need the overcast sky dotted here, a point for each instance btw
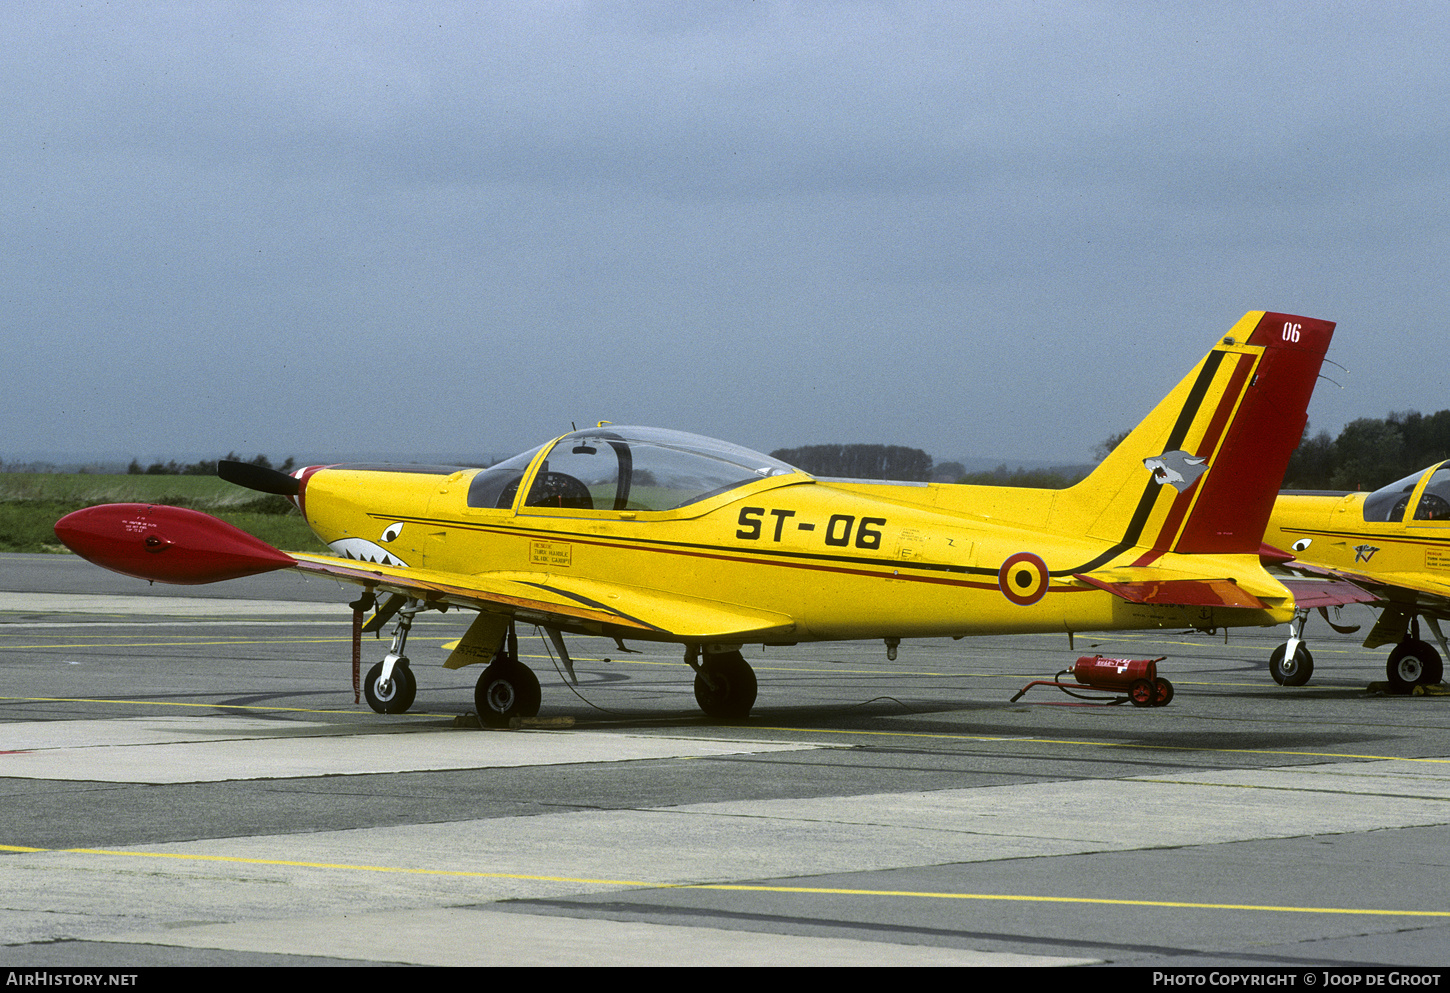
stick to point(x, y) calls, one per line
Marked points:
point(981, 229)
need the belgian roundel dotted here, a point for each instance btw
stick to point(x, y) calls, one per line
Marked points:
point(1023, 579)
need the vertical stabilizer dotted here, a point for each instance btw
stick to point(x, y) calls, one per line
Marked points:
point(1200, 473)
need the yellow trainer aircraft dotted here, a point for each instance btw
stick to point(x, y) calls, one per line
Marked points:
point(1390, 548)
point(655, 535)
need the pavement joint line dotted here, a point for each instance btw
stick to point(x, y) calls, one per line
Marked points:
point(195, 644)
point(1285, 789)
point(879, 734)
point(1112, 744)
point(753, 887)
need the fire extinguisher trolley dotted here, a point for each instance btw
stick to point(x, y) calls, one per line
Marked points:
point(1138, 679)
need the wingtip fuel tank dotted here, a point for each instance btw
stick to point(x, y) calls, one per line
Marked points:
point(166, 544)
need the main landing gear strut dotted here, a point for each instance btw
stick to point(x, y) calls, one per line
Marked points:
point(724, 683)
point(1414, 662)
point(508, 690)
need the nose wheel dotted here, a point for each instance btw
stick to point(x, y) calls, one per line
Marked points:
point(389, 686)
point(393, 695)
point(1291, 670)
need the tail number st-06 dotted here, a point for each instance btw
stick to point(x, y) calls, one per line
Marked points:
point(842, 530)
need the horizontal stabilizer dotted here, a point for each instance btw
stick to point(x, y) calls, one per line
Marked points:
point(1180, 592)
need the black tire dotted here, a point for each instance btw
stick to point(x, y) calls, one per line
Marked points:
point(1293, 672)
point(398, 696)
point(506, 690)
point(733, 691)
point(1162, 692)
point(1413, 662)
point(1141, 693)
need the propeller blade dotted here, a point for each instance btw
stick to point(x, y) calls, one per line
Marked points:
point(254, 477)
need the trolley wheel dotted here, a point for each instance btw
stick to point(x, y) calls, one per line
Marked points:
point(1141, 693)
point(1162, 692)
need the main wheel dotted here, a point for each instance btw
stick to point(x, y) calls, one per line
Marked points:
point(725, 686)
point(1413, 662)
point(1291, 672)
point(506, 690)
point(394, 697)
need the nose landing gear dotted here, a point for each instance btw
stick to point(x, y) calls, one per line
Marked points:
point(390, 686)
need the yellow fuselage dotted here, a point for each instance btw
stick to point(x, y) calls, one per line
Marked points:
point(1408, 557)
point(831, 560)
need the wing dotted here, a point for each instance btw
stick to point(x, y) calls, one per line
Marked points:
point(178, 545)
point(583, 606)
point(1324, 587)
point(1326, 591)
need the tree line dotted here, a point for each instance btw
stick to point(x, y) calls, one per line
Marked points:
point(859, 461)
point(896, 462)
point(204, 467)
point(1369, 452)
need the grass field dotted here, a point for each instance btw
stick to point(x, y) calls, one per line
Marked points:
point(31, 503)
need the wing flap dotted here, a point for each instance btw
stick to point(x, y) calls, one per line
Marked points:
point(566, 602)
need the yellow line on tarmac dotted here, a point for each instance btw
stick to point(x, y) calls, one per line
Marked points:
point(177, 643)
point(208, 706)
point(760, 888)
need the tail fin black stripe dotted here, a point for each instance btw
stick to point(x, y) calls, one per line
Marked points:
point(1186, 416)
point(1189, 413)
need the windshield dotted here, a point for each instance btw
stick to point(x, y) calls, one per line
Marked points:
point(636, 468)
point(497, 485)
point(1434, 503)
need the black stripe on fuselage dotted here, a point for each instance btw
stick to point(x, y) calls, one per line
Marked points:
point(689, 546)
point(587, 602)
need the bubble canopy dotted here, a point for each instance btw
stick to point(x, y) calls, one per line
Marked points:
point(624, 468)
point(1390, 503)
